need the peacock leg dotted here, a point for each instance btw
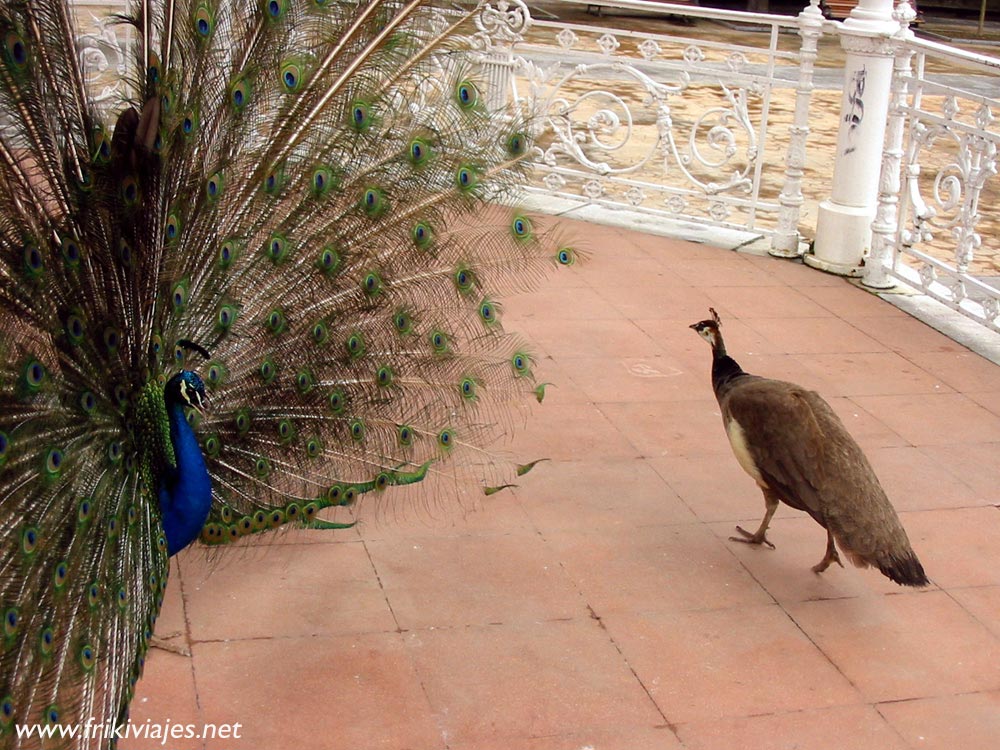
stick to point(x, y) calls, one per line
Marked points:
point(760, 536)
point(830, 556)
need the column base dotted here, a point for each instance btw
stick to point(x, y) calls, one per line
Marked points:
point(843, 238)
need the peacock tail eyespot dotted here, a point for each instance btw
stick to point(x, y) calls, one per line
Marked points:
point(161, 543)
point(29, 540)
point(6, 711)
point(521, 363)
point(402, 322)
point(93, 595)
point(274, 181)
point(371, 285)
point(309, 512)
point(465, 279)
point(360, 116)
point(374, 202)
point(88, 657)
point(304, 381)
point(335, 494)
point(521, 227)
point(33, 376)
point(446, 438)
point(275, 519)
point(466, 178)
point(51, 714)
point(275, 10)
point(357, 430)
point(34, 266)
point(420, 152)
point(382, 481)
point(215, 375)
point(59, 575)
point(74, 329)
point(337, 402)
point(11, 622)
point(53, 462)
point(112, 339)
point(189, 124)
point(259, 520)
point(267, 371)
point(275, 321)
point(292, 512)
point(179, 295)
point(46, 639)
point(15, 50)
point(213, 445)
point(422, 235)
point(355, 345)
point(225, 317)
point(115, 452)
point(329, 260)
point(132, 515)
point(262, 467)
point(467, 387)
point(285, 431)
point(130, 191)
point(71, 253)
point(313, 447)
point(242, 423)
point(291, 77)
point(239, 93)
point(566, 256)
point(517, 144)
point(487, 312)
point(350, 495)
point(226, 514)
point(322, 181)
point(404, 433)
point(125, 254)
point(120, 394)
point(113, 527)
point(320, 333)
point(384, 376)
point(467, 95)
point(439, 342)
point(213, 189)
point(277, 248)
point(204, 20)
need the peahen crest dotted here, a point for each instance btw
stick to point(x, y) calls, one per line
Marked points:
point(266, 284)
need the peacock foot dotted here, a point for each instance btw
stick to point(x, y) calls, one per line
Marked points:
point(747, 538)
point(163, 644)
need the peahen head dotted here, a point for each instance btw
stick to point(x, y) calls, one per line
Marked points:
point(186, 388)
point(709, 330)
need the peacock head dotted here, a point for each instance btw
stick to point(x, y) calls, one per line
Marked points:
point(187, 389)
point(709, 329)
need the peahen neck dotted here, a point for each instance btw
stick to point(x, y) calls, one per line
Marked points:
point(184, 492)
point(725, 370)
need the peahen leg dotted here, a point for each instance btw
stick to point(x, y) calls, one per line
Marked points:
point(830, 556)
point(760, 536)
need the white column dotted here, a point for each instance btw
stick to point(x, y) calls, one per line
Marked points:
point(843, 227)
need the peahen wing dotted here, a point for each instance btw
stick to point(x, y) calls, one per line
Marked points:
point(331, 250)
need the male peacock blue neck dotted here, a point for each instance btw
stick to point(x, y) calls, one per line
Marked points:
point(183, 486)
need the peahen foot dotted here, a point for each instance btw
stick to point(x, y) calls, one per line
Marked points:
point(747, 538)
point(831, 555)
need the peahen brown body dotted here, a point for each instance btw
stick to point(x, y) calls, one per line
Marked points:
point(799, 452)
point(264, 283)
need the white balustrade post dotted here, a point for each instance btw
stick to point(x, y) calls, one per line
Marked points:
point(785, 241)
point(843, 227)
point(886, 225)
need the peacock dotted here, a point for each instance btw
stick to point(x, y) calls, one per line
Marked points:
point(262, 281)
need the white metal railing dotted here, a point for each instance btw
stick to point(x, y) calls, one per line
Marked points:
point(938, 222)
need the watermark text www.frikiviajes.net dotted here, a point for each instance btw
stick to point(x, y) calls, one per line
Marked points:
point(162, 731)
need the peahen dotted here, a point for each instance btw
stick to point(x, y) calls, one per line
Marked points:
point(263, 283)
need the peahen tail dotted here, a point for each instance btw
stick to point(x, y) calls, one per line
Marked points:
point(304, 201)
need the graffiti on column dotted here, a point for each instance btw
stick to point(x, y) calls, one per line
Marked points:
point(855, 105)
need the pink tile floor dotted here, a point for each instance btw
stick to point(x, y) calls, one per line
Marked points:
point(600, 604)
